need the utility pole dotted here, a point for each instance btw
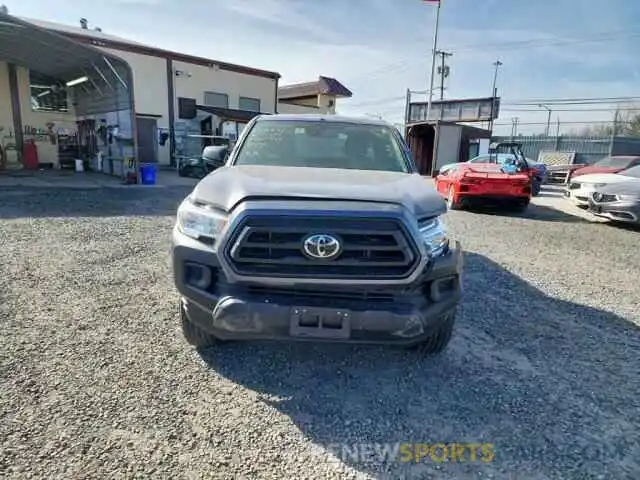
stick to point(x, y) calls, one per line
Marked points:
point(494, 92)
point(614, 130)
point(433, 59)
point(548, 118)
point(443, 70)
point(514, 127)
point(407, 107)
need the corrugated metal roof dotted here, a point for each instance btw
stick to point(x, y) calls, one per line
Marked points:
point(98, 38)
point(62, 28)
point(47, 52)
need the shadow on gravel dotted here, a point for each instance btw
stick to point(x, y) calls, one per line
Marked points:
point(40, 202)
point(550, 383)
point(534, 212)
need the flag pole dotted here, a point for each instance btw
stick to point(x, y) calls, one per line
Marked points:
point(433, 59)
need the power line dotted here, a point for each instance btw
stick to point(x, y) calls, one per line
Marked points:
point(375, 102)
point(572, 101)
point(535, 43)
point(594, 122)
point(586, 110)
point(524, 103)
point(515, 45)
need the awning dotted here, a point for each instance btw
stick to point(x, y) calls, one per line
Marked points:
point(229, 114)
point(52, 54)
point(467, 130)
point(108, 86)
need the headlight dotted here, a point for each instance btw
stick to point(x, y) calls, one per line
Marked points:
point(201, 223)
point(435, 237)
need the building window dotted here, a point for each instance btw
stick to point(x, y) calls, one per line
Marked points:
point(214, 99)
point(47, 94)
point(249, 104)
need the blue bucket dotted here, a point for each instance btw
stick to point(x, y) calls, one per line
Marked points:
point(148, 174)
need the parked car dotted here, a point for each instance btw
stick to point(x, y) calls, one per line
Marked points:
point(561, 173)
point(582, 187)
point(465, 183)
point(212, 157)
point(317, 228)
point(619, 202)
point(611, 164)
point(540, 169)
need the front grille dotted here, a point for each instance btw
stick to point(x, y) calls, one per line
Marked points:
point(273, 246)
point(324, 296)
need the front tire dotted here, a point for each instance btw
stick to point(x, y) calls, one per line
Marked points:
point(437, 342)
point(194, 335)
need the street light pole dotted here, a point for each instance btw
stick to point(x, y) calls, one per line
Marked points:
point(548, 117)
point(433, 59)
point(494, 92)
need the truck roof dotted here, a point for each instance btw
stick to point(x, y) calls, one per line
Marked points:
point(317, 117)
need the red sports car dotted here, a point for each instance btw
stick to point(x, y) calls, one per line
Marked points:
point(466, 183)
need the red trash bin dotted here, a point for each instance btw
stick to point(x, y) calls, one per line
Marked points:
point(30, 154)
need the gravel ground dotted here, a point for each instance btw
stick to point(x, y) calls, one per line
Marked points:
point(97, 381)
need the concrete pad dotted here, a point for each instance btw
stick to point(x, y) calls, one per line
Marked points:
point(552, 196)
point(85, 180)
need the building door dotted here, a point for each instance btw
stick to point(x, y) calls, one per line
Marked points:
point(147, 131)
point(206, 128)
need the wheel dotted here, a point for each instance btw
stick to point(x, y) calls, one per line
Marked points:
point(452, 203)
point(194, 335)
point(536, 187)
point(437, 342)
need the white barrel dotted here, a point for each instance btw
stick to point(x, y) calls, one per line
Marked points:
point(79, 165)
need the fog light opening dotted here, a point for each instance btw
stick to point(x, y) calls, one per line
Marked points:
point(197, 275)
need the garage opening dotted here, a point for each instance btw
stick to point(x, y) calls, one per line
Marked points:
point(65, 101)
point(434, 144)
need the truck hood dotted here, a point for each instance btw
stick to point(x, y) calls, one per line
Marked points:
point(228, 186)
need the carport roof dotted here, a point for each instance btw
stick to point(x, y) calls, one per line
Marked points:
point(47, 52)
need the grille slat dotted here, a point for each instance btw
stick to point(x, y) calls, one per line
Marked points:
point(273, 246)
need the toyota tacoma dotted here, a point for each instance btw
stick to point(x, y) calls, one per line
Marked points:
point(317, 228)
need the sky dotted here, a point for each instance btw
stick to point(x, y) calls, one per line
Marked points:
point(549, 49)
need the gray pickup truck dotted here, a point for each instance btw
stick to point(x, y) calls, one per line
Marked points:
point(317, 228)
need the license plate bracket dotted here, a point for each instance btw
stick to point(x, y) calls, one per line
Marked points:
point(317, 322)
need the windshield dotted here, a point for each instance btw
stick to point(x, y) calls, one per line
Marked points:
point(323, 144)
point(619, 162)
point(632, 172)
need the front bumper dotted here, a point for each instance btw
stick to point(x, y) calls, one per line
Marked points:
point(579, 196)
point(252, 310)
point(619, 211)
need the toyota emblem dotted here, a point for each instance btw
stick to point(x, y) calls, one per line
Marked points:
point(321, 246)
